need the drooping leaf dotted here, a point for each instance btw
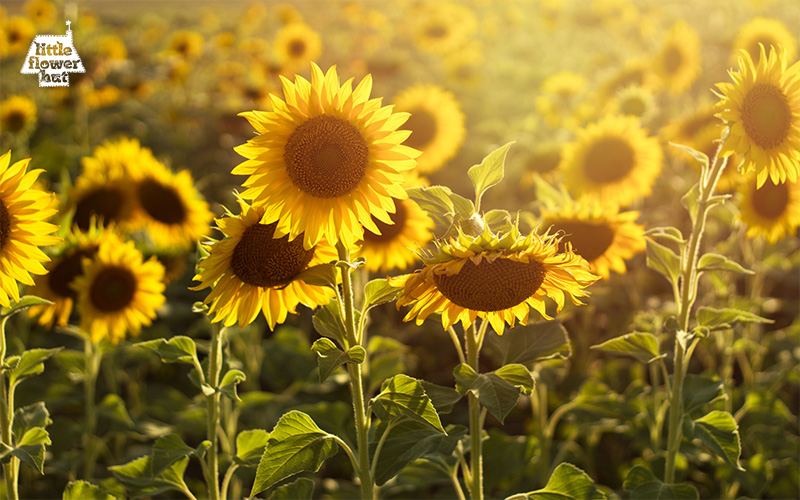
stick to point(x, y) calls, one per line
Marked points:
point(699, 391)
point(641, 345)
point(379, 291)
point(643, 485)
point(405, 396)
point(517, 375)
point(443, 398)
point(717, 262)
point(568, 483)
point(495, 394)
point(28, 364)
point(166, 451)
point(698, 156)
point(328, 322)
point(30, 448)
point(668, 232)
point(724, 318)
point(179, 349)
point(689, 200)
point(663, 259)
point(25, 302)
point(300, 489)
point(139, 482)
point(489, 173)
point(720, 433)
point(230, 380)
point(532, 342)
point(250, 445)
point(295, 445)
point(320, 275)
point(28, 417)
point(84, 490)
point(331, 357)
point(113, 408)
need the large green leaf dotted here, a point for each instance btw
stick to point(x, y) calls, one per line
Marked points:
point(403, 396)
point(642, 346)
point(720, 433)
point(489, 173)
point(331, 357)
point(169, 449)
point(567, 483)
point(295, 445)
point(717, 262)
point(441, 203)
point(28, 364)
point(25, 302)
point(179, 349)
point(30, 448)
point(664, 260)
point(250, 446)
point(443, 398)
point(495, 393)
point(136, 475)
point(720, 319)
point(699, 391)
point(28, 417)
point(83, 490)
point(643, 485)
point(536, 341)
point(408, 441)
point(379, 291)
point(328, 322)
point(300, 489)
point(320, 275)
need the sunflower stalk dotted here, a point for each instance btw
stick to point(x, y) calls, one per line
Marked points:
point(363, 471)
point(475, 418)
point(688, 294)
point(11, 468)
point(213, 412)
point(92, 357)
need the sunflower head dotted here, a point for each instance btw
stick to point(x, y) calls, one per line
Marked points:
point(118, 292)
point(17, 115)
point(767, 32)
point(16, 33)
point(296, 45)
point(771, 210)
point(678, 61)
point(495, 277)
point(762, 109)
point(41, 12)
point(253, 270)
point(186, 45)
point(327, 158)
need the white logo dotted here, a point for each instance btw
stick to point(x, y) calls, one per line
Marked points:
point(53, 57)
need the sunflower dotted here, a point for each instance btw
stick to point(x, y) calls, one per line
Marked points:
point(637, 72)
point(393, 247)
point(296, 45)
point(169, 207)
point(23, 212)
point(600, 234)
point(613, 159)
point(766, 32)
point(762, 109)
point(634, 101)
point(186, 44)
point(108, 198)
point(118, 291)
point(678, 61)
point(41, 12)
point(543, 160)
point(67, 264)
point(562, 101)
point(17, 115)
point(442, 27)
point(686, 128)
point(772, 210)
point(327, 158)
point(17, 34)
point(495, 277)
point(436, 124)
point(251, 270)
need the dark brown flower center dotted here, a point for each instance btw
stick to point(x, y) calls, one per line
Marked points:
point(69, 267)
point(589, 240)
point(491, 286)
point(297, 48)
point(264, 261)
point(326, 157)
point(161, 202)
point(608, 160)
point(388, 231)
point(633, 105)
point(436, 31)
point(545, 161)
point(113, 289)
point(15, 121)
point(672, 59)
point(5, 225)
point(104, 202)
point(770, 201)
point(422, 125)
point(766, 115)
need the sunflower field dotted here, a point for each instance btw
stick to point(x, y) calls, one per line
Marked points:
point(412, 249)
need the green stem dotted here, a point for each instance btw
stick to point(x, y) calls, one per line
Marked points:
point(6, 420)
point(453, 475)
point(356, 385)
point(226, 481)
point(457, 343)
point(475, 428)
point(212, 413)
point(688, 289)
point(379, 447)
point(92, 357)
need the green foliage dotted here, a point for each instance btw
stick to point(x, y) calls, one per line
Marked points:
point(27, 364)
point(699, 156)
point(641, 484)
point(387, 358)
point(320, 275)
point(497, 391)
point(664, 260)
point(29, 417)
point(720, 433)
point(169, 449)
point(379, 291)
point(180, 349)
point(489, 173)
point(331, 357)
point(25, 302)
point(444, 206)
point(327, 322)
point(300, 489)
point(84, 490)
point(529, 343)
point(139, 481)
point(700, 391)
point(295, 445)
point(717, 262)
point(231, 379)
point(722, 319)
point(250, 447)
point(403, 396)
point(566, 483)
point(113, 408)
point(642, 346)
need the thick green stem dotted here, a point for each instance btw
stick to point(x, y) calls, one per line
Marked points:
point(475, 422)
point(212, 413)
point(6, 419)
point(688, 294)
point(356, 386)
point(92, 357)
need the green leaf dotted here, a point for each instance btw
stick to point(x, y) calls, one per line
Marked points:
point(494, 393)
point(379, 291)
point(408, 441)
point(250, 446)
point(300, 489)
point(568, 483)
point(405, 396)
point(320, 275)
point(28, 364)
point(689, 200)
point(295, 445)
point(662, 259)
point(229, 382)
point(180, 349)
point(499, 221)
point(536, 341)
point(83, 490)
point(331, 357)
point(139, 482)
point(166, 451)
point(28, 417)
point(327, 322)
point(387, 358)
point(113, 408)
point(31, 448)
point(642, 346)
point(643, 485)
point(717, 262)
point(442, 398)
point(489, 173)
point(517, 375)
point(720, 433)
point(699, 156)
point(25, 302)
point(667, 232)
point(699, 391)
point(721, 319)
point(441, 204)
point(73, 363)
